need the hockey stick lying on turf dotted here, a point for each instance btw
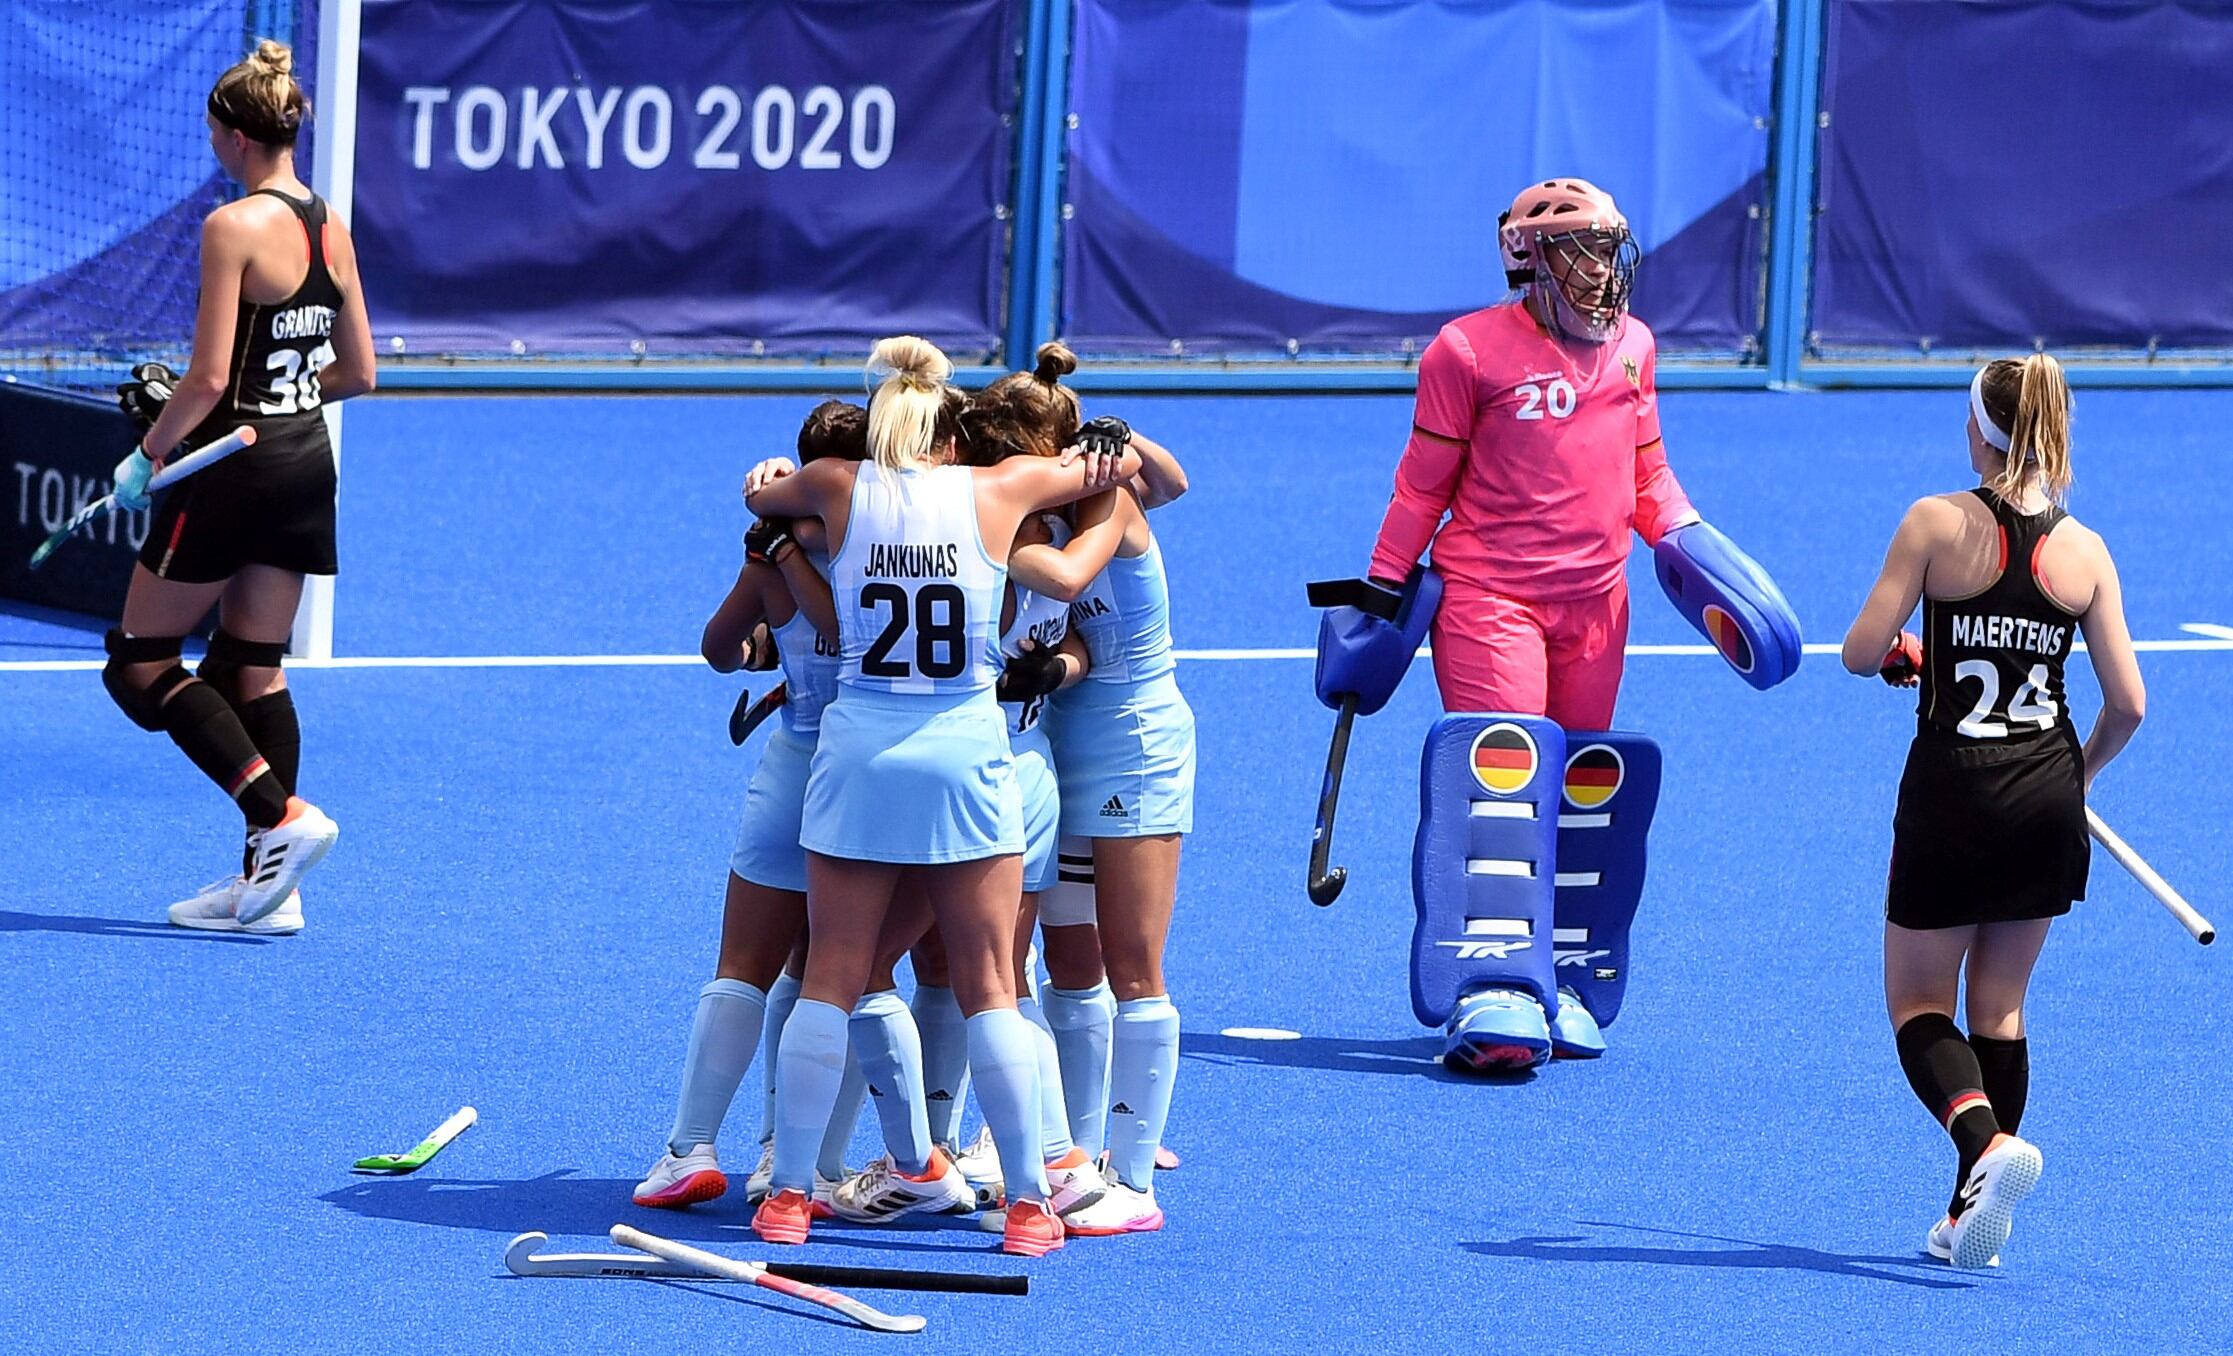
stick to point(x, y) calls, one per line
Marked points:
point(521, 1260)
point(748, 714)
point(2202, 929)
point(417, 1157)
point(730, 1268)
point(1325, 883)
point(241, 437)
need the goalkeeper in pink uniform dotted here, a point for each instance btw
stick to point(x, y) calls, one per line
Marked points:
point(1534, 453)
point(1537, 432)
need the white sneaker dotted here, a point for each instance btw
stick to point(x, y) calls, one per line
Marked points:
point(980, 1167)
point(2003, 1177)
point(880, 1192)
point(679, 1180)
point(756, 1186)
point(282, 855)
point(1939, 1242)
point(214, 909)
point(1122, 1210)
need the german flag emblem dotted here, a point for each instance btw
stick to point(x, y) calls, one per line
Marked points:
point(1729, 638)
point(1593, 776)
point(1504, 759)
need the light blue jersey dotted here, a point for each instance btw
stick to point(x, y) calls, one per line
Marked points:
point(1125, 617)
point(918, 596)
point(1043, 621)
point(1124, 738)
point(810, 666)
point(912, 764)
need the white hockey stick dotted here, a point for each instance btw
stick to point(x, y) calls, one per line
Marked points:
point(521, 1259)
point(241, 437)
point(2191, 919)
point(729, 1268)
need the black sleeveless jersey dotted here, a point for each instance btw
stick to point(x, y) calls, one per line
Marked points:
point(1993, 662)
point(278, 350)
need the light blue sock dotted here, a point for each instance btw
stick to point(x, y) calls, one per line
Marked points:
point(1004, 1063)
point(891, 1059)
point(724, 1036)
point(945, 1035)
point(1054, 1115)
point(809, 1066)
point(1081, 1020)
point(1143, 1062)
point(782, 995)
point(845, 1117)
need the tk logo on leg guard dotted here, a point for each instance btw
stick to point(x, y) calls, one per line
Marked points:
point(1487, 950)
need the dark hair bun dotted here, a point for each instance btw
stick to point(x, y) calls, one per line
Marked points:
point(1055, 361)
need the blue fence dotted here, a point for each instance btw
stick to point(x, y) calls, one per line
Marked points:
point(1269, 194)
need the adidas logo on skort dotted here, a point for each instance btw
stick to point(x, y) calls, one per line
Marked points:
point(1115, 809)
point(1120, 1109)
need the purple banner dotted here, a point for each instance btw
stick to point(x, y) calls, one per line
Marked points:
point(1325, 175)
point(685, 176)
point(1983, 185)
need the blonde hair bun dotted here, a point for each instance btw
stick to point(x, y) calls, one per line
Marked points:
point(1054, 361)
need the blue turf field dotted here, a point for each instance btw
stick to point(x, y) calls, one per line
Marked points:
point(526, 896)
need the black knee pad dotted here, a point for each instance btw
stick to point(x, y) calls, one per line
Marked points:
point(229, 654)
point(143, 704)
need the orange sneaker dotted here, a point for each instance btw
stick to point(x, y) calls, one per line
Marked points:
point(1031, 1230)
point(783, 1217)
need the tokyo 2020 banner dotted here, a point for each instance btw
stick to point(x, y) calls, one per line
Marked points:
point(685, 176)
point(1325, 175)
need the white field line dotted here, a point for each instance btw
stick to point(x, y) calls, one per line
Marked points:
point(2208, 638)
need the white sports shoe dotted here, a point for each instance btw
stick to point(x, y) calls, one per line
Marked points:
point(880, 1192)
point(282, 855)
point(679, 1180)
point(214, 909)
point(2005, 1175)
point(756, 1186)
point(1939, 1243)
point(1122, 1210)
point(980, 1167)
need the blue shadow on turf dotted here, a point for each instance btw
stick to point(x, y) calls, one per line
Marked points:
point(116, 927)
point(1411, 1056)
point(1748, 1255)
point(559, 1203)
point(747, 1296)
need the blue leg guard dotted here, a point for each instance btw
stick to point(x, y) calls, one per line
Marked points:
point(1482, 963)
point(1611, 790)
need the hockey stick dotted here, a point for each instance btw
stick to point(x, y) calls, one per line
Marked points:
point(730, 1268)
point(241, 437)
point(1325, 883)
point(2201, 928)
point(521, 1260)
point(747, 715)
point(420, 1154)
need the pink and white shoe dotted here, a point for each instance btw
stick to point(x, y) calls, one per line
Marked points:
point(685, 1179)
point(1123, 1210)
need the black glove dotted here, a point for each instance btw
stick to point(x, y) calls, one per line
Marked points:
point(145, 395)
point(1034, 673)
point(766, 538)
point(1104, 435)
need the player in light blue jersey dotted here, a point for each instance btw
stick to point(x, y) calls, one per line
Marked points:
point(784, 587)
point(912, 775)
point(1124, 752)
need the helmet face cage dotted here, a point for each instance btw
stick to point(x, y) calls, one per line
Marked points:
point(1586, 278)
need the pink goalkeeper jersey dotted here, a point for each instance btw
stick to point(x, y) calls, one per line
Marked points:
point(1544, 455)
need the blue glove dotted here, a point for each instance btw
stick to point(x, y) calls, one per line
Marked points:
point(132, 475)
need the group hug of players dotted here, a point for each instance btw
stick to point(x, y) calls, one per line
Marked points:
point(982, 739)
point(981, 732)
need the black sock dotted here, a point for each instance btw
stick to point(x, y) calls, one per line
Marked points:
point(1943, 1070)
point(2007, 1069)
point(271, 722)
point(204, 727)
